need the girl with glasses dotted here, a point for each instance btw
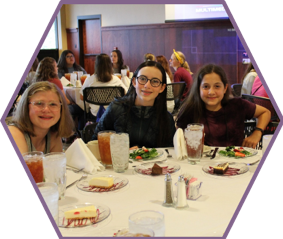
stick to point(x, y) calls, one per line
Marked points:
point(67, 64)
point(41, 119)
point(223, 117)
point(142, 112)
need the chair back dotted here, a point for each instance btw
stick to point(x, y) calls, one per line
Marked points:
point(265, 102)
point(175, 92)
point(100, 96)
point(88, 132)
point(236, 89)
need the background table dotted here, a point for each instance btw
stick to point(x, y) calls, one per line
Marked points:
point(207, 216)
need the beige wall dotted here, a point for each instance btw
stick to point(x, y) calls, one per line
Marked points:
point(111, 15)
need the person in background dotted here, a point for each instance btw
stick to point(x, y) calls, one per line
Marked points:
point(67, 64)
point(169, 79)
point(149, 57)
point(258, 89)
point(223, 117)
point(142, 112)
point(118, 62)
point(248, 80)
point(182, 70)
point(47, 70)
point(103, 77)
point(41, 119)
point(32, 71)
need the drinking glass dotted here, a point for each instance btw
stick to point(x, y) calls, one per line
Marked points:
point(119, 147)
point(93, 147)
point(50, 194)
point(265, 141)
point(54, 165)
point(124, 72)
point(34, 163)
point(153, 220)
point(104, 147)
point(194, 134)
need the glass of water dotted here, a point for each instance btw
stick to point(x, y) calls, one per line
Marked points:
point(54, 165)
point(119, 147)
point(153, 220)
point(50, 194)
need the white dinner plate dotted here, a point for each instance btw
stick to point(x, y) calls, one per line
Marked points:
point(102, 213)
point(119, 182)
point(145, 168)
point(233, 170)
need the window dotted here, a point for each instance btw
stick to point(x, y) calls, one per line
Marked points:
point(51, 41)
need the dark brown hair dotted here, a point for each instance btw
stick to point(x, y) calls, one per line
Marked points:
point(163, 61)
point(103, 68)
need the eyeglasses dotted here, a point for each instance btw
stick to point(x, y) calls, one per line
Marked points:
point(54, 106)
point(70, 56)
point(154, 81)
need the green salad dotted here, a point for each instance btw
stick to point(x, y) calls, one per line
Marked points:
point(232, 151)
point(144, 154)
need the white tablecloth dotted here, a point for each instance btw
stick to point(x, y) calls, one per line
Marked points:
point(208, 216)
point(73, 94)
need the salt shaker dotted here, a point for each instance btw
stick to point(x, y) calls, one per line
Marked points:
point(181, 193)
point(168, 196)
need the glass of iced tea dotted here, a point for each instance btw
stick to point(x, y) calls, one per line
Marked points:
point(68, 76)
point(104, 147)
point(83, 78)
point(34, 163)
point(194, 135)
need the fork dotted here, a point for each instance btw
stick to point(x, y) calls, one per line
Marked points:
point(168, 155)
point(75, 171)
point(83, 177)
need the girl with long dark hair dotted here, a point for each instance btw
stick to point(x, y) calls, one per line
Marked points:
point(118, 61)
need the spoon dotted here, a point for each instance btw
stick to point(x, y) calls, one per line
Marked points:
point(169, 155)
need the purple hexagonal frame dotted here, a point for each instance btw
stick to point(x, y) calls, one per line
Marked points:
point(144, 2)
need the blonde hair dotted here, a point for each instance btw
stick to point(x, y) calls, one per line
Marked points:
point(149, 57)
point(64, 126)
point(185, 63)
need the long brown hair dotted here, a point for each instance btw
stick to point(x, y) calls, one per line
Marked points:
point(45, 70)
point(64, 126)
point(193, 102)
point(247, 71)
point(163, 61)
point(103, 68)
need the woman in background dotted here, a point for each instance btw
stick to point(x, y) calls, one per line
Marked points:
point(182, 70)
point(248, 80)
point(67, 64)
point(103, 77)
point(32, 71)
point(41, 119)
point(258, 88)
point(118, 62)
point(149, 57)
point(169, 79)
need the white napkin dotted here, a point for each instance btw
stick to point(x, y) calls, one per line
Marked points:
point(180, 145)
point(79, 156)
point(64, 81)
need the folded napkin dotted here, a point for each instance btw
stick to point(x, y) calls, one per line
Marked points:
point(180, 145)
point(79, 156)
point(64, 81)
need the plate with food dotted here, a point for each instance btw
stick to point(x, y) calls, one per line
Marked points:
point(237, 152)
point(82, 215)
point(225, 168)
point(105, 183)
point(144, 154)
point(157, 168)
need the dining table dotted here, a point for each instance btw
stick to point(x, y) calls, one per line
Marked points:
point(207, 216)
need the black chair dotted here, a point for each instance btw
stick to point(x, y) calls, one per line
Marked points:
point(250, 126)
point(265, 102)
point(21, 91)
point(100, 96)
point(88, 132)
point(236, 90)
point(175, 92)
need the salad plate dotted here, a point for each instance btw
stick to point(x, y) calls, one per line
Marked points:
point(119, 182)
point(102, 213)
point(151, 154)
point(230, 152)
point(234, 169)
point(146, 168)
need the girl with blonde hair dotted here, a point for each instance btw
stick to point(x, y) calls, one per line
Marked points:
point(41, 119)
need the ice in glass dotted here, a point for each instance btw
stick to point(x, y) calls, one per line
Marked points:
point(34, 162)
point(104, 147)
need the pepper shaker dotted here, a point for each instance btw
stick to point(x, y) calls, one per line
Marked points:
point(168, 196)
point(181, 193)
